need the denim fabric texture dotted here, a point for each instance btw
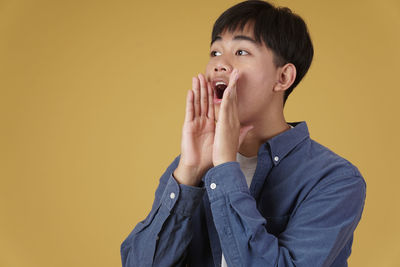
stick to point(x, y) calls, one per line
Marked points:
point(301, 209)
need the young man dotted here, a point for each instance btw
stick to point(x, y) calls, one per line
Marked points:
point(250, 189)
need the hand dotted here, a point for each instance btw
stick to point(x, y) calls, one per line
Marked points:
point(197, 134)
point(228, 134)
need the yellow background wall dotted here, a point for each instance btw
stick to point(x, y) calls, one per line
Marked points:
point(92, 98)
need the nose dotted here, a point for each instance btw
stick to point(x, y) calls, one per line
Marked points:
point(222, 66)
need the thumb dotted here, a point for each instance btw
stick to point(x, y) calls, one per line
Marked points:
point(243, 132)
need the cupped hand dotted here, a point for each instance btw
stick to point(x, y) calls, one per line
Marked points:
point(229, 134)
point(197, 133)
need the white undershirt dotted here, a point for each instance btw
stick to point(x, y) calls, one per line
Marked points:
point(248, 166)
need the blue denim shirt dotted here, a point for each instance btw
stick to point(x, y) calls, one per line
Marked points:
point(301, 209)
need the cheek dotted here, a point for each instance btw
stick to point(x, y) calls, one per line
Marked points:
point(252, 86)
point(254, 90)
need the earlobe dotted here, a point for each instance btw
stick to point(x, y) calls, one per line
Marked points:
point(287, 76)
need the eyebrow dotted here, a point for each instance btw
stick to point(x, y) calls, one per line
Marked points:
point(237, 38)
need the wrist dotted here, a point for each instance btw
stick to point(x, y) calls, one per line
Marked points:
point(187, 175)
point(224, 160)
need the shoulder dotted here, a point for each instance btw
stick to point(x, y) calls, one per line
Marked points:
point(318, 165)
point(327, 179)
point(332, 170)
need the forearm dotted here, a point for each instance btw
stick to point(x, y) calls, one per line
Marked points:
point(162, 238)
point(313, 236)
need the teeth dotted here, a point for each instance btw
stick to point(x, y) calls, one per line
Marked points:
point(218, 83)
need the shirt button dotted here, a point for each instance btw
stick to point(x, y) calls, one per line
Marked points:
point(213, 186)
point(172, 195)
point(276, 158)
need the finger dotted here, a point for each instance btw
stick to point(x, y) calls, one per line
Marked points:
point(233, 82)
point(210, 113)
point(189, 106)
point(243, 132)
point(233, 109)
point(224, 108)
point(230, 91)
point(196, 97)
point(224, 99)
point(203, 96)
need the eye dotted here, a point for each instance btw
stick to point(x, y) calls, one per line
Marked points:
point(241, 53)
point(215, 53)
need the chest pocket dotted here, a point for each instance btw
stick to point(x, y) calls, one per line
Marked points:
point(276, 225)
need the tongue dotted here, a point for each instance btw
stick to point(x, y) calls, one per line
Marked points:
point(219, 89)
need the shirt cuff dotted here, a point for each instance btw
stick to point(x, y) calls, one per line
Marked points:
point(180, 198)
point(224, 179)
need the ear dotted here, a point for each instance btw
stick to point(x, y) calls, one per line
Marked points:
point(286, 76)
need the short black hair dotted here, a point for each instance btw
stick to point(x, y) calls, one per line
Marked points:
point(281, 30)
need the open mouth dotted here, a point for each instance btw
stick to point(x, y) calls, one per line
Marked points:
point(219, 89)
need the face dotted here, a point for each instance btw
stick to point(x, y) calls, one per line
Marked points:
point(257, 72)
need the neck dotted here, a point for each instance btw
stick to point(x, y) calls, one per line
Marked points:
point(263, 130)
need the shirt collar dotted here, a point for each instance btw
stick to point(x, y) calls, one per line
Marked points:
point(281, 144)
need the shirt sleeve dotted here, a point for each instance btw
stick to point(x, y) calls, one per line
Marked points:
point(162, 237)
point(316, 232)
